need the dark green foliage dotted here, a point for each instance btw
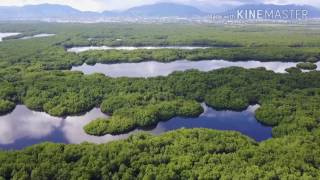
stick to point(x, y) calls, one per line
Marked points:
point(114, 102)
point(8, 95)
point(127, 118)
point(234, 43)
point(100, 126)
point(296, 112)
point(293, 70)
point(307, 66)
point(32, 72)
point(312, 60)
point(67, 93)
point(6, 106)
point(283, 54)
point(182, 154)
point(139, 102)
point(227, 98)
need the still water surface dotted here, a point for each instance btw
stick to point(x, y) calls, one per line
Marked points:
point(130, 48)
point(152, 68)
point(38, 36)
point(24, 127)
point(3, 35)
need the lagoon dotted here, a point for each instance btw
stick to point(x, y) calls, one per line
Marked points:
point(24, 127)
point(3, 35)
point(153, 69)
point(38, 36)
point(130, 48)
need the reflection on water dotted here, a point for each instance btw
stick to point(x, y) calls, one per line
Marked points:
point(24, 127)
point(38, 36)
point(244, 122)
point(23, 123)
point(130, 48)
point(72, 129)
point(3, 35)
point(152, 68)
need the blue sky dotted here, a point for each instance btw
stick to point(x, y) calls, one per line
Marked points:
point(100, 5)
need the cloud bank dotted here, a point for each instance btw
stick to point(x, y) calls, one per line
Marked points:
point(100, 5)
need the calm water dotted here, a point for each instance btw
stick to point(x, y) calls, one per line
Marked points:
point(152, 68)
point(24, 127)
point(130, 48)
point(38, 36)
point(244, 122)
point(3, 35)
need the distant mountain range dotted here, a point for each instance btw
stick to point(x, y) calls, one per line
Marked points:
point(42, 11)
point(163, 10)
point(53, 11)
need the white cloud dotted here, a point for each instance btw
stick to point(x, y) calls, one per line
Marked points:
point(100, 5)
point(92, 5)
point(309, 2)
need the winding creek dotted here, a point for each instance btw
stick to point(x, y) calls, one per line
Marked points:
point(152, 68)
point(3, 35)
point(130, 48)
point(24, 127)
point(38, 36)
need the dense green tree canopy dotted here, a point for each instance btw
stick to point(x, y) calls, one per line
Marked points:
point(182, 154)
point(307, 66)
point(251, 42)
point(34, 77)
point(35, 72)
